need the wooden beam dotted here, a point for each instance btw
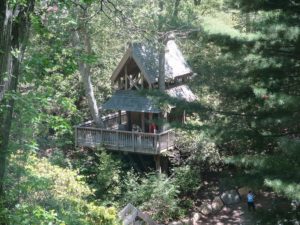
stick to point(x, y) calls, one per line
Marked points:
point(133, 83)
point(123, 61)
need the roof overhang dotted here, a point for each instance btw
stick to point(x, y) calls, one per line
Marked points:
point(129, 100)
point(182, 92)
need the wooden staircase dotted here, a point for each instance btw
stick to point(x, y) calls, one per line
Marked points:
point(130, 215)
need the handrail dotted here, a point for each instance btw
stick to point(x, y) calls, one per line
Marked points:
point(130, 141)
point(124, 131)
point(104, 118)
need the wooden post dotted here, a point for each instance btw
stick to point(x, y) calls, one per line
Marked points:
point(119, 117)
point(168, 141)
point(155, 143)
point(117, 139)
point(157, 163)
point(150, 120)
point(126, 78)
point(128, 120)
point(133, 145)
point(143, 121)
point(76, 144)
point(159, 146)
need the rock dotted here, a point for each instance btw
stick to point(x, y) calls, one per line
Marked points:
point(217, 204)
point(195, 216)
point(243, 191)
point(295, 204)
point(206, 209)
point(187, 221)
point(230, 197)
point(176, 223)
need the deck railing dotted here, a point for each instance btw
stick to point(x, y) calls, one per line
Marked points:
point(127, 141)
point(110, 121)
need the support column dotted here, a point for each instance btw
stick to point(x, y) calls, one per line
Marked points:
point(128, 120)
point(150, 121)
point(183, 117)
point(119, 117)
point(126, 78)
point(143, 121)
point(157, 163)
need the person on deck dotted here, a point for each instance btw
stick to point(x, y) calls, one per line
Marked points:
point(250, 201)
point(152, 128)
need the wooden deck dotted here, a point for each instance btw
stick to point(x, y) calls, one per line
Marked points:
point(126, 141)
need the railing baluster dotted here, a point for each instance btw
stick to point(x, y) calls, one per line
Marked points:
point(124, 140)
point(133, 141)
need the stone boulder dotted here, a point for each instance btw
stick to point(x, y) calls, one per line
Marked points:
point(176, 223)
point(206, 209)
point(230, 197)
point(187, 221)
point(195, 216)
point(217, 204)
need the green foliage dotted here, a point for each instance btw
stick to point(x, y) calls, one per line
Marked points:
point(289, 189)
point(154, 193)
point(188, 179)
point(51, 194)
point(247, 62)
point(34, 215)
point(104, 174)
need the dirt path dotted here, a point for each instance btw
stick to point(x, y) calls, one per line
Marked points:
point(230, 215)
point(236, 214)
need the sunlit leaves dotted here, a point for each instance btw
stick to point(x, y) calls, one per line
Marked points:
point(291, 190)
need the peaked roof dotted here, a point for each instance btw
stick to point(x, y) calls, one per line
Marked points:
point(146, 56)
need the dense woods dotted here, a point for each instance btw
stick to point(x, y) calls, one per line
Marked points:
point(56, 59)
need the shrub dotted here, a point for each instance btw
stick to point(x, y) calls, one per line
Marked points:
point(187, 179)
point(154, 193)
point(48, 194)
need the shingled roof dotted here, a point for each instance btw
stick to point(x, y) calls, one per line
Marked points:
point(130, 100)
point(146, 56)
point(182, 92)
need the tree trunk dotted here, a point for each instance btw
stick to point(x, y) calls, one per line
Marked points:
point(82, 41)
point(15, 36)
point(161, 66)
point(161, 58)
point(6, 21)
point(176, 8)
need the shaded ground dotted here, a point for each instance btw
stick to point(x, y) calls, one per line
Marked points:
point(236, 214)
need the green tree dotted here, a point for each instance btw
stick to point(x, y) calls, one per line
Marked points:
point(249, 68)
point(15, 23)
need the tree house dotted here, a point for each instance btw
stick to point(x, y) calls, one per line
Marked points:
point(133, 126)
